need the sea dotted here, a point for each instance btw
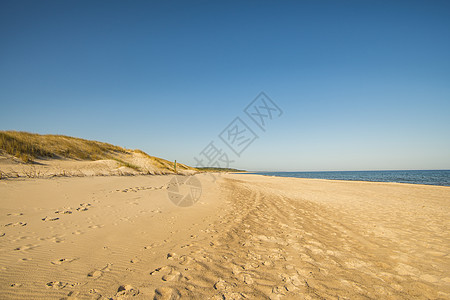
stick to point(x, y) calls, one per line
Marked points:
point(430, 177)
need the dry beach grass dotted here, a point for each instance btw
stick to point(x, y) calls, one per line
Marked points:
point(24, 154)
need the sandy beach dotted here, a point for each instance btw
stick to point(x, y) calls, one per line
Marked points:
point(144, 147)
point(248, 237)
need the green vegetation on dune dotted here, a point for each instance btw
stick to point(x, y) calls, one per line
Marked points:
point(126, 164)
point(28, 146)
point(163, 163)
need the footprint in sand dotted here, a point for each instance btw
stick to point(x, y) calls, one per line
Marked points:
point(15, 285)
point(65, 212)
point(21, 238)
point(14, 214)
point(125, 291)
point(134, 260)
point(185, 260)
point(15, 224)
point(157, 270)
point(230, 295)
point(25, 259)
point(172, 276)
point(62, 260)
point(49, 219)
point(295, 281)
point(278, 292)
point(56, 285)
point(25, 247)
point(96, 226)
point(57, 240)
point(95, 274)
point(221, 285)
point(168, 273)
point(236, 270)
point(166, 293)
point(98, 273)
point(248, 279)
point(250, 266)
point(73, 295)
point(172, 256)
point(84, 207)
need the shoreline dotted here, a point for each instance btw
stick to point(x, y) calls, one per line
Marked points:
point(343, 180)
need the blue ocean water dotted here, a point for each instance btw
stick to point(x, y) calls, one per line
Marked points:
point(430, 177)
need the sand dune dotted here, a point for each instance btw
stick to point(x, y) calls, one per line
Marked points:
point(249, 237)
point(30, 155)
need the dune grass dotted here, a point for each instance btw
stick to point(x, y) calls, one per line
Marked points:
point(28, 146)
point(126, 164)
point(163, 163)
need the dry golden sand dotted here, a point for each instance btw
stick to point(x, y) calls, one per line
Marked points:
point(249, 236)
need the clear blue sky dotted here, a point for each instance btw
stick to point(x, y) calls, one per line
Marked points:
point(364, 85)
